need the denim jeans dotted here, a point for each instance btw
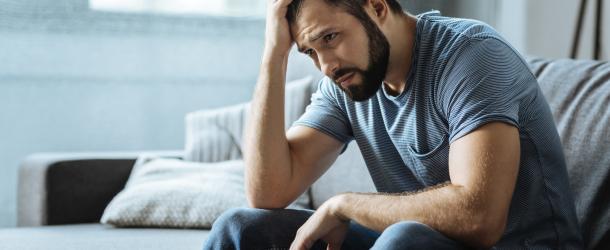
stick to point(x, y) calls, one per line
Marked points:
point(250, 228)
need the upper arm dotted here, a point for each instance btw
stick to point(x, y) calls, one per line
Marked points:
point(312, 152)
point(483, 104)
point(485, 163)
point(316, 139)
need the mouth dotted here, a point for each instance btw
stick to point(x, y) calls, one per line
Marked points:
point(344, 80)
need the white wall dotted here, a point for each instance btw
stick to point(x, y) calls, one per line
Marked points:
point(511, 21)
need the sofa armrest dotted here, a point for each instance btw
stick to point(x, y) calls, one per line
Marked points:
point(69, 188)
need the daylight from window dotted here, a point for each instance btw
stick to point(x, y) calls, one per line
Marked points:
point(235, 8)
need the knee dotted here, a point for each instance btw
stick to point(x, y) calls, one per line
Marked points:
point(235, 219)
point(228, 229)
point(252, 227)
point(238, 221)
point(233, 214)
point(408, 231)
point(413, 235)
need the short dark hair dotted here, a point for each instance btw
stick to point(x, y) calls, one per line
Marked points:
point(353, 7)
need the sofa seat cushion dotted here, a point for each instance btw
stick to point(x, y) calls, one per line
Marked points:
point(98, 236)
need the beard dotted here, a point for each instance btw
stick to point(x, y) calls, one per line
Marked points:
point(373, 75)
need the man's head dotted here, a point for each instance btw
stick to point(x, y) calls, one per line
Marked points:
point(344, 39)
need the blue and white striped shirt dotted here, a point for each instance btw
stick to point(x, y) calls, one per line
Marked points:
point(463, 76)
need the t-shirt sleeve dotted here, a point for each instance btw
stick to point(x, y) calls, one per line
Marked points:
point(486, 81)
point(325, 114)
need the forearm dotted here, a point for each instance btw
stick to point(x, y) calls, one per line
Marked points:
point(448, 209)
point(266, 151)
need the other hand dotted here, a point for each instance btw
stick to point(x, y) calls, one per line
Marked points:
point(277, 32)
point(324, 224)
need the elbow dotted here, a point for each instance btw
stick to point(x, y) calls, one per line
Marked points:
point(266, 204)
point(263, 201)
point(486, 222)
point(486, 232)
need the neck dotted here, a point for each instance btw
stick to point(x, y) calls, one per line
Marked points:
point(401, 36)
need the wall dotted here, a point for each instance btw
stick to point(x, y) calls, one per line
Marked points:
point(537, 28)
point(546, 27)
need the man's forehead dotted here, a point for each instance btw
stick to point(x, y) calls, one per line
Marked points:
point(314, 16)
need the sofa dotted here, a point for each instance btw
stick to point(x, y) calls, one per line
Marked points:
point(62, 196)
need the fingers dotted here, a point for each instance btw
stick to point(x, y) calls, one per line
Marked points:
point(277, 8)
point(277, 4)
point(301, 241)
point(280, 2)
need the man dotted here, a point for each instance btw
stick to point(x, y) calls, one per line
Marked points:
point(456, 134)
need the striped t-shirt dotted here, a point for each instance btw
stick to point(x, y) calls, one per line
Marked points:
point(463, 76)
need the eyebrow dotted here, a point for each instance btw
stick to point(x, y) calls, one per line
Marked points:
point(316, 37)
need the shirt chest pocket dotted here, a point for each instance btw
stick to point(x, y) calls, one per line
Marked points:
point(432, 167)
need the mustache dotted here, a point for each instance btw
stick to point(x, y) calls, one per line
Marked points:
point(344, 71)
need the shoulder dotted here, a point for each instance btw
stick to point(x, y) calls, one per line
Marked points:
point(447, 37)
point(481, 55)
point(446, 43)
point(457, 28)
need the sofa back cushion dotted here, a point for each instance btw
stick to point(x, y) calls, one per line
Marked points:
point(348, 174)
point(214, 135)
point(578, 92)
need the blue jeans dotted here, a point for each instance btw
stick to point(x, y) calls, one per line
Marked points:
point(250, 228)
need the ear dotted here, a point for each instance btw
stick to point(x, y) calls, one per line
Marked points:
point(379, 9)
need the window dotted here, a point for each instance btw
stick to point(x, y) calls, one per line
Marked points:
point(234, 8)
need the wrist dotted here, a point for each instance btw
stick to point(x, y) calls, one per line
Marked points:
point(274, 56)
point(337, 206)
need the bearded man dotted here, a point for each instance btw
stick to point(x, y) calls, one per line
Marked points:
point(456, 134)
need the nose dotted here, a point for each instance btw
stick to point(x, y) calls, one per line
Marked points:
point(328, 64)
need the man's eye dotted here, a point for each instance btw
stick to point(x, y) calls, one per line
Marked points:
point(330, 37)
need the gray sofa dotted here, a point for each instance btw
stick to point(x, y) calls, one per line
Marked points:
point(62, 196)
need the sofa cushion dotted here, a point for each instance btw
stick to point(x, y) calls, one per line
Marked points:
point(212, 144)
point(578, 92)
point(98, 236)
point(216, 134)
point(174, 193)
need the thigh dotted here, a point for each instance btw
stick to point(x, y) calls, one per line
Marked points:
point(286, 222)
point(414, 235)
point(252, 228)
point(359, 237)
